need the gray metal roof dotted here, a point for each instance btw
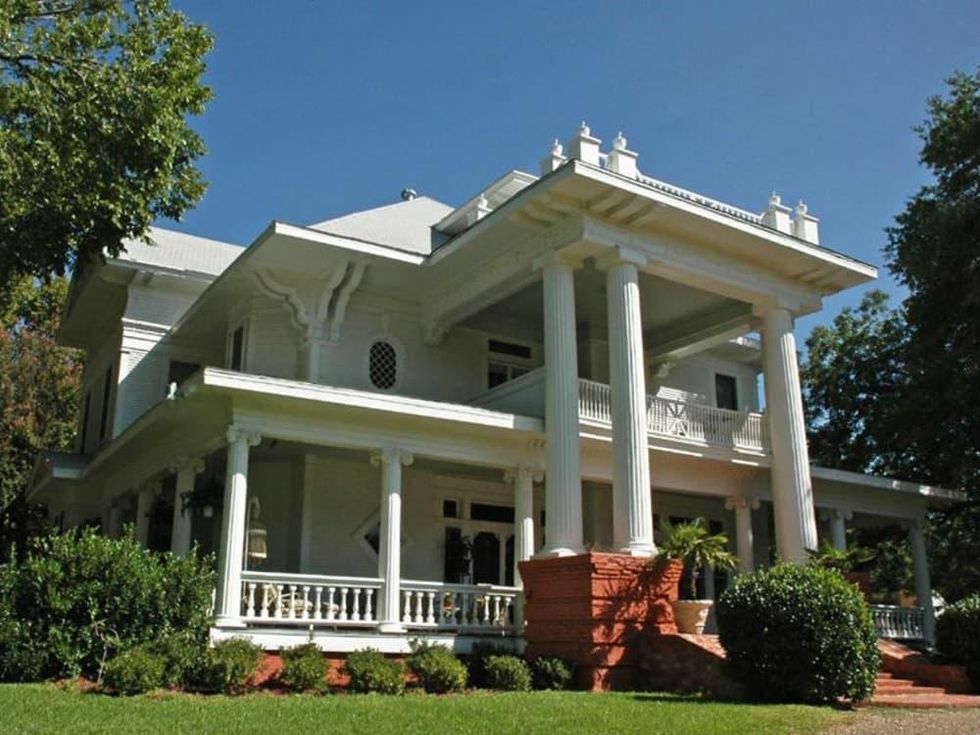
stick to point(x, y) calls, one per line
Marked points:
point(179, 251)
point(404, 225)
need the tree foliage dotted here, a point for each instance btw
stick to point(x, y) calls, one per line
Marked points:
point(94, 141)
point(38, 390)
point(897, 392)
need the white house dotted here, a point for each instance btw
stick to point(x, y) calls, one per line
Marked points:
point(372, 419)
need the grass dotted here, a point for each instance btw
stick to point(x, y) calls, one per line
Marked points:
point(45, 708)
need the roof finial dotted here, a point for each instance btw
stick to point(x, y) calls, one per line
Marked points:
point(774, 198)
point(409, 194)
point(556, 148)
point(583, 128)
point(619, 142)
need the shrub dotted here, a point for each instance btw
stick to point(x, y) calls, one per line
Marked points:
point(958, 635)
point(476, 663)
point(438, 671)
point(507, 674)
point(801, 634)
point(182, 655)
point(371, 672)
point(228, 666)
point(550, 673)
point(78, 598)
point(135, 671)
point(303, 667)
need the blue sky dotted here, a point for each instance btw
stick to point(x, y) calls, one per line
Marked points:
point(322, 108)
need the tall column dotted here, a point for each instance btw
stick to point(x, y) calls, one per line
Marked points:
point(391, 461)
point(838, 532)
point(180, 529)
point(563, 476)
point(923, 583)
point(144, 506)
point(743, 507)
point(114, 524)
point(231, 547)
point(632, 507)
point(523, 479)
point(792, 491)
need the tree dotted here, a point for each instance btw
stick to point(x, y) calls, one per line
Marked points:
point(853, 381)
point(94, 142)
point(38, 392)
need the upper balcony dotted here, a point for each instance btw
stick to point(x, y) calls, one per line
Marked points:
point(683, 421)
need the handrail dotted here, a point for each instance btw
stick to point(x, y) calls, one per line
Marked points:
point(901, 623)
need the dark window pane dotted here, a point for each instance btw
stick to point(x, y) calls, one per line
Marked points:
point(509, 348)
point(496, 374)
point(486, 558)
point(237, 348)
point(450, 508)
point(726, 394)
point(492, 513)
point(106, 393)
point(383, 365)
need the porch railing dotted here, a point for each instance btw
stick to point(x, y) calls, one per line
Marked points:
point(682, 419)
point(305, 599)
point(900, 623)
point(481, 607)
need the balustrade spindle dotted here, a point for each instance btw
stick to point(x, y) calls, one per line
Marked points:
point(368, 604)
point(343, 603)
point(317, 599)
point(278, 614)
point(431, 618)
point(331, 605)
point(250, 606)
point(356, 606)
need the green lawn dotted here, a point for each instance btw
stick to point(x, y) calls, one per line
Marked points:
point(45, 708)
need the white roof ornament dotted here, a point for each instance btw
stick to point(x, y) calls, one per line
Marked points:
point(777, 214)
point(554, 159)
point(805, 225)
point(621, 160)
point(583, 146)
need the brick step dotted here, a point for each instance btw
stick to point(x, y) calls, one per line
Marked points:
point(909, 690)
point(933, 701)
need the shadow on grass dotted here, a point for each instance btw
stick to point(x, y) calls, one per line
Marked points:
point(667, 698)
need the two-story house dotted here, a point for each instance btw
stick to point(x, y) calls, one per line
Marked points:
point(371, 420)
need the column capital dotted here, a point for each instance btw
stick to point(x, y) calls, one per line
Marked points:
point(235, 434)
point(620, 254)
point(556, 258)
point(741, 501)
point(523, 473)
point(190, 464)
point(150, 488)
point(389, 455)
point(836, 514)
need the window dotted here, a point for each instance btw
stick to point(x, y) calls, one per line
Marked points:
point(383, 365)
point(181, 371)
point(236, 357)
point(726, 392)
point(507, 360)
point(85, 415)
point(491, 513)
point(452, 508)
point(106, 393)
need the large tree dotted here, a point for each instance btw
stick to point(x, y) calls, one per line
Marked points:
point(897, 392)
point(94, 140)
point(38, 391)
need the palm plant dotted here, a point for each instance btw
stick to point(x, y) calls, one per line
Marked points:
point(699, 549)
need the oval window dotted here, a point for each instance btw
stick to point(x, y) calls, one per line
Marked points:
point(383, 365)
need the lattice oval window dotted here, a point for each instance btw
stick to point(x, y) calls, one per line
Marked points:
point(383, 365)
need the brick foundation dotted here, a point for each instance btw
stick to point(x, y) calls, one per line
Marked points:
point(599, 612)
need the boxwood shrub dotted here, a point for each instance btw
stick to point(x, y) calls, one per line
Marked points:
point(228, 667)
point(304, 668)
point(135, 671)
point(437, 670)
point(78, 598)
point(798, 634)
point(371, 673)
point(958, 635)
point(507, 674)
point(548, 672)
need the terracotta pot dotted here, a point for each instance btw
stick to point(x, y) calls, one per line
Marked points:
point(691, 615)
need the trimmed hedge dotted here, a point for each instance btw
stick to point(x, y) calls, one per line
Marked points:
point(78, 598)
point(550, 673)
point(958, 635)
point(798, 634)
point(228, 666)
point(437, 670)
point(507, 674)
point(304, 667)
point(135, 671)
point(371, 673)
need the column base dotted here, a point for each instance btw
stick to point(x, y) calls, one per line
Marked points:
point(558, 551)
point(391, 627)
point(640, 550)
point(228, 621)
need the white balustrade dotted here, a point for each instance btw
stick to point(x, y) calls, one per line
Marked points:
point(902, 623)
point(480, 607)
point(290, 599)
point(683, 420)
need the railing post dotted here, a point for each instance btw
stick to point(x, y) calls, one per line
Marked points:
point(391, 461)
point(231, 550)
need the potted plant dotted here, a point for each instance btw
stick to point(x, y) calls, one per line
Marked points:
point(699, 550)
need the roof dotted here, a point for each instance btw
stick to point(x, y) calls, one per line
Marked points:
point(173, 250)
point(406, 225)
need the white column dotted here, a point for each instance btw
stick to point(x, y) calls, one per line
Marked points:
point(923, 583)
point(563, 477)
point(180, 529)
point(523, 479)
point(144, 506)
point(743, 508)
point(632, 507)
point(792, 491)
point(114, 525)
point(838, 532)
point(390, 551)
point(231, 547)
